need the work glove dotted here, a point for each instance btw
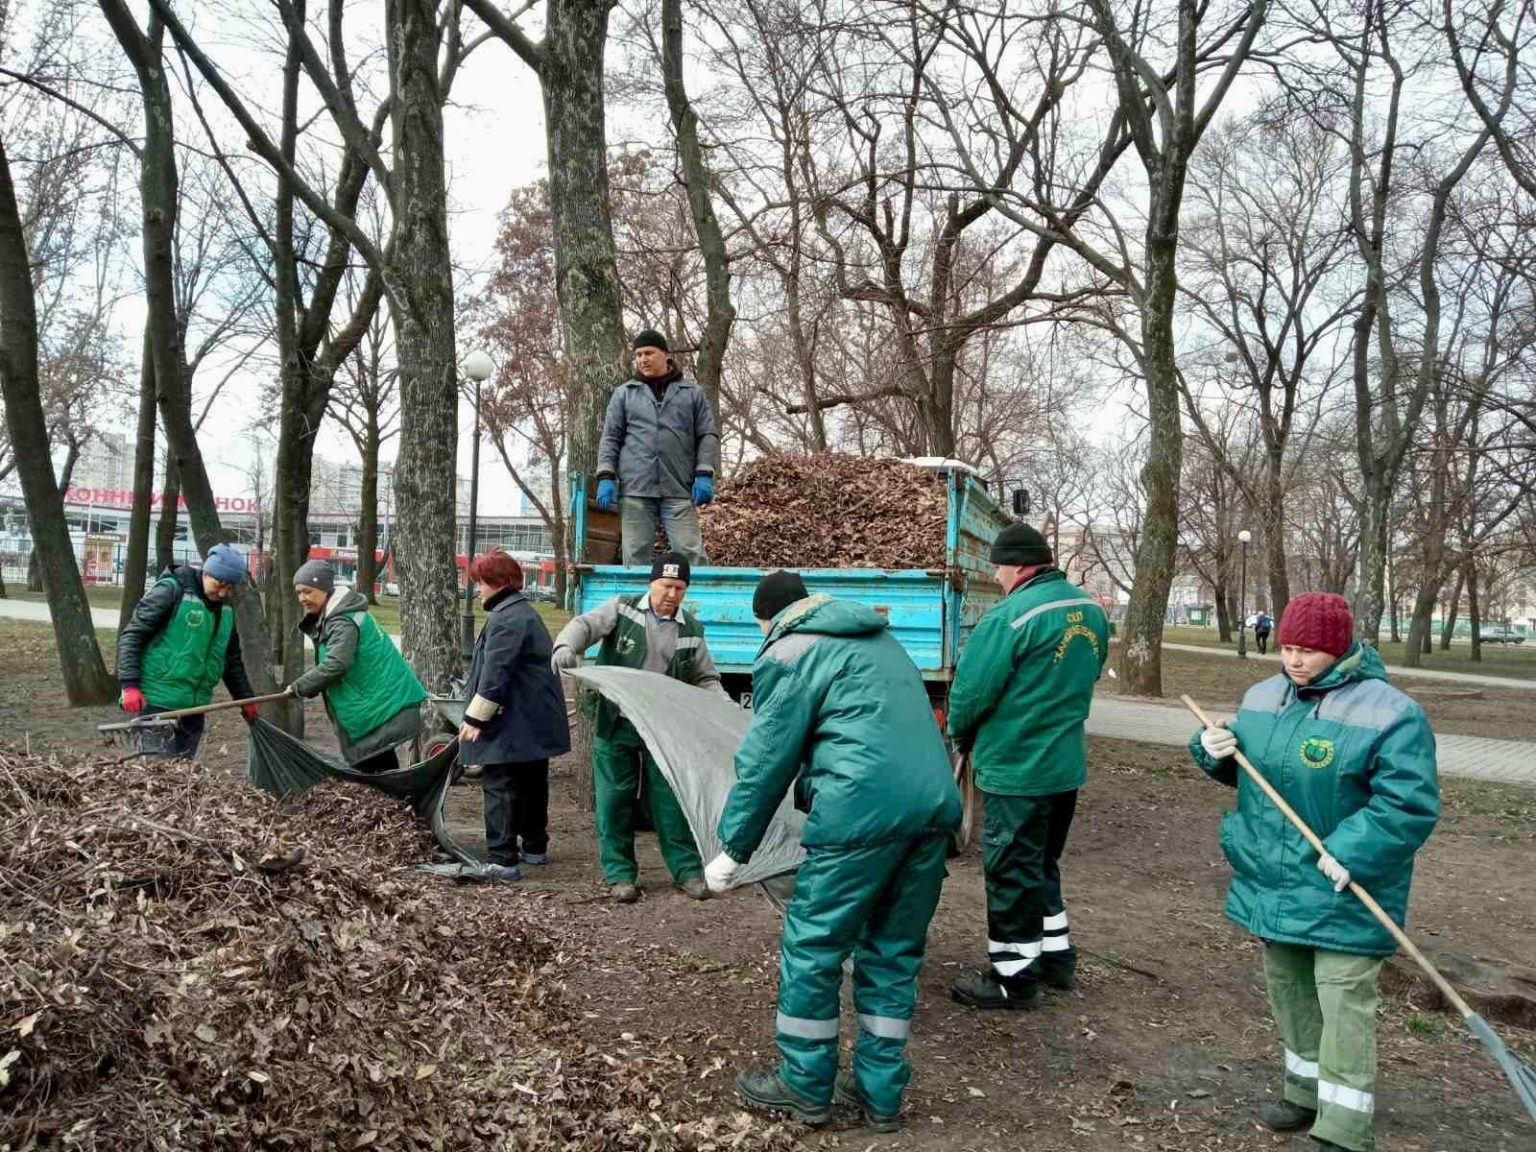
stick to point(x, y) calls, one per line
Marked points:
point(251, 713)
point(720, 872)
point(1218, 741)
point(607, 494)
point(1337, 874)
point(703, 490)
point(564, 659)
point(132, 700)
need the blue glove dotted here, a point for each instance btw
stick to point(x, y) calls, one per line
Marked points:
point(703, 490)
point(607, 494)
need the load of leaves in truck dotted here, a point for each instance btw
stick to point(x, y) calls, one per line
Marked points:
point(827, 510)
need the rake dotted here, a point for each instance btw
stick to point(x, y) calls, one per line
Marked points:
point(125, 733)
point(1521, 1078)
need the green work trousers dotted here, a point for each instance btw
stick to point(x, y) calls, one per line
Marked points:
point(617, 762)
point(1022, 841)
point(1325, 1006)
point(874, 902)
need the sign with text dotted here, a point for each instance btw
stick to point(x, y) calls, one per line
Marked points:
point(123, 498)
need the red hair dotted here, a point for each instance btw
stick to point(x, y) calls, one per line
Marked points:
point(497, 569)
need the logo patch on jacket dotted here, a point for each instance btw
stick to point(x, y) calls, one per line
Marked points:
point(196, 617)
point(626, 645)
point(1317, 752)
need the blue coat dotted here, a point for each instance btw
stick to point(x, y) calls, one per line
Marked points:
point(511, 668)
point(655, 450)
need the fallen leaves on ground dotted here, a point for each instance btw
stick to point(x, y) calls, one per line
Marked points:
point(160, 988)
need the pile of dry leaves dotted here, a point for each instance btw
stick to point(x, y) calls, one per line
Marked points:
point(827, 510)
point(186, 963)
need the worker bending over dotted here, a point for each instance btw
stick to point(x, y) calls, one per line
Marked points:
point(840, 714)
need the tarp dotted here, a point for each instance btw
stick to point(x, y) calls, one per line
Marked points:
point(693, 735)
point(284, 765)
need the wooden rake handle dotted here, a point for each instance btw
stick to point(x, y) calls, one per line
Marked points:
point(180, 712)
point(1365, 897)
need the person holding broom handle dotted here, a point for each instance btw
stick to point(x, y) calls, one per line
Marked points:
point(371, 694)
point(1355, 758)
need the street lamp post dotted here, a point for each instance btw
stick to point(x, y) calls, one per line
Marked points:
point(1242, 598)
point(478, 367)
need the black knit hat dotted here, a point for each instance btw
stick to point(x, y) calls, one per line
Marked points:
point(650, 338)
point(1021, 546)
point(670, 566)
point(776, 592)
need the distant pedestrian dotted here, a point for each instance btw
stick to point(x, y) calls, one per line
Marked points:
point(1017, 707)
point(514, 719)
point(179, 643)
point(371, 693)
point(1356, 759)
point(656, 461)
point(1263, 624)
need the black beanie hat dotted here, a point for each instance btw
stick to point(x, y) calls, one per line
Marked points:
point(1022, 546)
point(776, 592)
point(670, 566)
point(650, 338)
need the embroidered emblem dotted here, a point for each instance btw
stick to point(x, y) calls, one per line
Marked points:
point(196, 617)
point(1317, 752)
point(671, 572)
point(626, 645)
point(1075, 631)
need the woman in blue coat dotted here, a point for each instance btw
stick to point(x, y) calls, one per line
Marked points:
point(1356, 759)
point(514, 719)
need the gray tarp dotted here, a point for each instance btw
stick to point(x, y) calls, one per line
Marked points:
point(693, 735)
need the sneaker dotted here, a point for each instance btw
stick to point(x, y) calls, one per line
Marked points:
point(624, 893)
point(506, 873)
point(766, 1090)
point(1286, 1117)
point(983, 990)
point(536, 859)
point(694, 888)
point(847, 1093)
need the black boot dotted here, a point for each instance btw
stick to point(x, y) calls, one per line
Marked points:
point(764, 1088)
point(1057, 970)
point(986, 991)
point(847, 1093)
point(1286, 1117)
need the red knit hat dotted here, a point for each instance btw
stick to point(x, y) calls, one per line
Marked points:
point(1318, 620)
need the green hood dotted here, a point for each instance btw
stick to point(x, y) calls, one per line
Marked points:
point(827, 617)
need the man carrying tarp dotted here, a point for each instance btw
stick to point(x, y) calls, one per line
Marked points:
point(179, 643)
point(650, 632)
point(841, 714)
point(1020, 696)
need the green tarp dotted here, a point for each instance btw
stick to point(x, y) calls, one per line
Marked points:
point(284, 765)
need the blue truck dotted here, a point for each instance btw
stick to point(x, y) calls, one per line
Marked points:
point(930, 611)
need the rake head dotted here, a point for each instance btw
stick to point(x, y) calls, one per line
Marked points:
point(1520, 1076)
point(129, 734)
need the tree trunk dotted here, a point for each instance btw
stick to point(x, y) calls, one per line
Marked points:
point(368, 515)
point(1448, 629)
point(1420, 625)
point(86, 680)
point(721, 312)
point(136, 563)
point(586, 270)
point(1275, 553)
point(423, 305)
point(170, 513)
point(1141, 649)
point(1223, 614)
point(1474, 612)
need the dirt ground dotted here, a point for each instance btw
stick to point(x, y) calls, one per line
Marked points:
point(1166, 1045)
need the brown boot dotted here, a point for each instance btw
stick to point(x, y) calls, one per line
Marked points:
point(624, 893)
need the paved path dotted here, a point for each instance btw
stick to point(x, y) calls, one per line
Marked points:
point(1394, 670)
point(1474, 757)
point(38, 610)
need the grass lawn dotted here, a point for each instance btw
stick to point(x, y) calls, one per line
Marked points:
point(386, 612)
point(1513, 660)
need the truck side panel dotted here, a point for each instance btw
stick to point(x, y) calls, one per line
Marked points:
point(912, 602)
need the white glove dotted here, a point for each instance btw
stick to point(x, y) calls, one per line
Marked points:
point(719, 873)
point(1336, 872)
point(564, 659)
point(1218, 741)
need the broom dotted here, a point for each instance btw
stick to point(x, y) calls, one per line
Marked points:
point(1520, 1076)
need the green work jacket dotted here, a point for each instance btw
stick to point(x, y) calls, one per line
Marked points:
point(1023, 686)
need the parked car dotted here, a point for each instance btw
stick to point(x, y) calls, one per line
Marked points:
point(1500, 634)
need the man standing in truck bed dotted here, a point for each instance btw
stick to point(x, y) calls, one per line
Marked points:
point(1017, 706)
